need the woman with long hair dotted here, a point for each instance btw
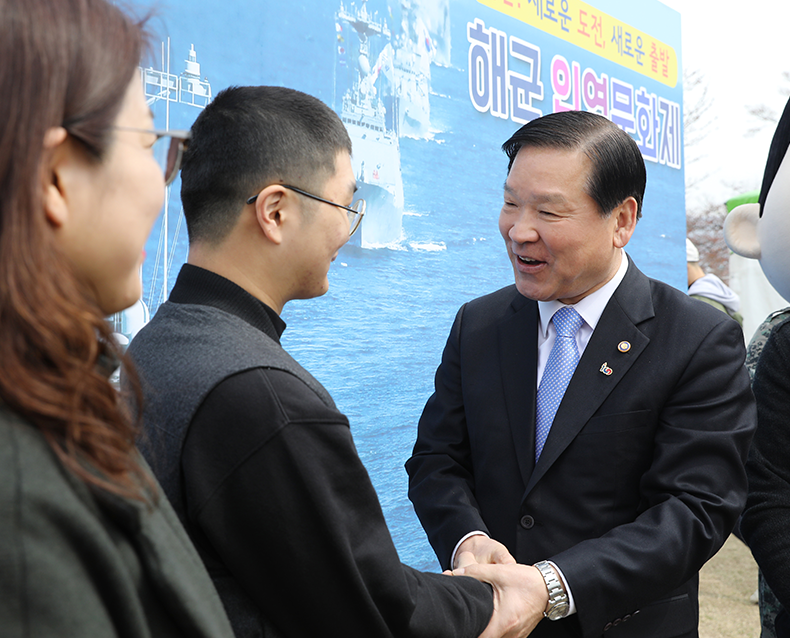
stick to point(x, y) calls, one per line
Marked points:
point(88, 545)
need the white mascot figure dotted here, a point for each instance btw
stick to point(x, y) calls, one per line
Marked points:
point(762, 231)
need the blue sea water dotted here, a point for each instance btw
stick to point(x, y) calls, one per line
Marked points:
point(375, 339)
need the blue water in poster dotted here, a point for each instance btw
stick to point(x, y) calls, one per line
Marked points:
point(431, 163)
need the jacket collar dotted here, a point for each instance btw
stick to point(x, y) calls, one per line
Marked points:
point(630, 305)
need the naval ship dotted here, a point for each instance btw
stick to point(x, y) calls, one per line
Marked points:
point(368, 108)
point(414, 52)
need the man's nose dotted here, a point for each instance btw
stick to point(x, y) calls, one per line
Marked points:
point(524, 229)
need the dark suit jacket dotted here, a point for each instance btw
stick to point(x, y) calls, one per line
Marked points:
point(642, 475)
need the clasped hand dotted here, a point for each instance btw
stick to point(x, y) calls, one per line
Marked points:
point(520, 594)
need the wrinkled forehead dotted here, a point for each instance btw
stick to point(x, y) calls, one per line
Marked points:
point(575, 156)
point(566, 166)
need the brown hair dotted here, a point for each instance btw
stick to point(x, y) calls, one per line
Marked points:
point(62, 63)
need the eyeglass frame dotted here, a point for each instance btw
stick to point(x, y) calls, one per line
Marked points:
point(181, 136)
point(360, 213)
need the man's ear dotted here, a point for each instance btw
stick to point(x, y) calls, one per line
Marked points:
point(273, 208)
point(54, 198)
point(740, 230)
point(624, 221)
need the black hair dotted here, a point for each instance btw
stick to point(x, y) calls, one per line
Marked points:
point(247, 138)
point(618, 170)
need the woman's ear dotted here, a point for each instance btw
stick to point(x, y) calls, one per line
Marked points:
point(53, 197)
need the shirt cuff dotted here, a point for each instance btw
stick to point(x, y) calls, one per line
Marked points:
point(463, 538)
point(571, 603)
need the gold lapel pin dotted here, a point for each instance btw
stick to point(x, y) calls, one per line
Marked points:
point(623, 346)
point(606, 369)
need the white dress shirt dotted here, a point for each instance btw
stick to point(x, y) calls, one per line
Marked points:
point(590, 308)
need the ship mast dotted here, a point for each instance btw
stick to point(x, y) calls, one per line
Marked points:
point(189, 89)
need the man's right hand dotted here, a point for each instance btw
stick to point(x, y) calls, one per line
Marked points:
point(485, 551)
point(520, 596)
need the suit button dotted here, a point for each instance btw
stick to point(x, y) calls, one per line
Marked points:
point(617, 622)
point(527, 522)
point(608, 626)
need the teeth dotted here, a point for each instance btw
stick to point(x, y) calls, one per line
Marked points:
point(527, 260)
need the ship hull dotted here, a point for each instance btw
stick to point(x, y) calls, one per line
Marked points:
point(376, 164)
point(382, 223)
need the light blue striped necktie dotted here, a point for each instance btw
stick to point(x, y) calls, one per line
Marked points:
point(557, 375)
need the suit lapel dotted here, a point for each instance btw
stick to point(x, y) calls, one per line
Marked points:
point(518, 354)
point(590, 386)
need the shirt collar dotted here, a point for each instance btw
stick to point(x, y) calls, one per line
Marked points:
point(590, 307)
point(196, 285)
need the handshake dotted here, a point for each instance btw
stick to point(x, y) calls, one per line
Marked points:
point(520, 592)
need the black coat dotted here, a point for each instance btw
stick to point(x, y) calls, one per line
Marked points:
point(262, 468)
point(767, 517)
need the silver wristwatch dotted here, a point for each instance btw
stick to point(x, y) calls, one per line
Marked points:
point(558, 598)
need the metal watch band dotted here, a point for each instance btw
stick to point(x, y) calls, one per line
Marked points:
point(558, 598)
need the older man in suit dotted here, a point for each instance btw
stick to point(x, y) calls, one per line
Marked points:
point(589, 424)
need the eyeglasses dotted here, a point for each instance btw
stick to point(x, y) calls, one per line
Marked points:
point(168, 148)
point(355, 212)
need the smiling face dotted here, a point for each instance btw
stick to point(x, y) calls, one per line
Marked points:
point(323, 230)
point(112, 206)
point(558, 243)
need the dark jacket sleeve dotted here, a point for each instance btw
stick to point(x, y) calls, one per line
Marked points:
point(690, 497)
point(275, 485)
point(766, 519)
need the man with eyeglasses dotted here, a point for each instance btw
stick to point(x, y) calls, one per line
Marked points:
point(250, 448)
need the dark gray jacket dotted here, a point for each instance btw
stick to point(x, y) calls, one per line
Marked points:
point(79, 562)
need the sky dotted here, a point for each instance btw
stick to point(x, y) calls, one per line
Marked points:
point(741, 51)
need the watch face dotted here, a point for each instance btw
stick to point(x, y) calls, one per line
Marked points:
point(557, 611)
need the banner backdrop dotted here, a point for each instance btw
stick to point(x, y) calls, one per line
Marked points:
point(428, 90)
